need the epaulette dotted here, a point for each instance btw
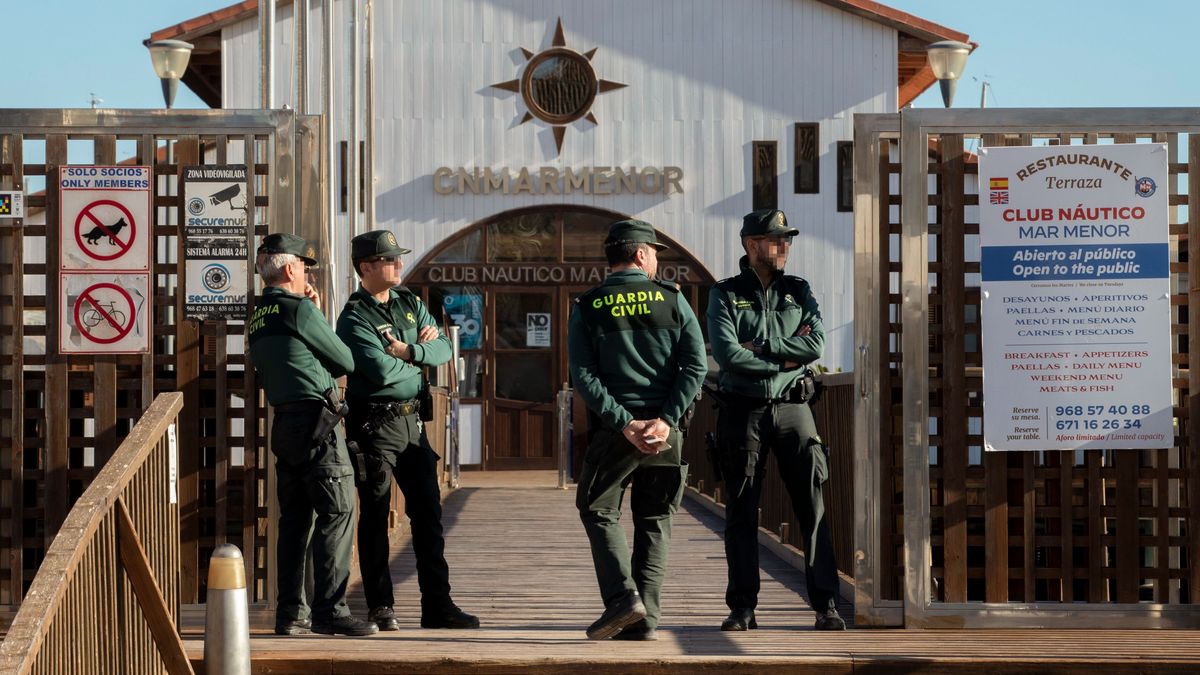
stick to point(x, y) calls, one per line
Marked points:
point(669, 285)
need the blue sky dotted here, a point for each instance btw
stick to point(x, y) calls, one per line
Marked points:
point(1047, 53)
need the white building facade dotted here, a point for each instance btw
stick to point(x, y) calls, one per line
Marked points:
point(504, 135)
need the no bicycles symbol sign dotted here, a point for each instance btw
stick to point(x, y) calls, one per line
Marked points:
point(104, 218)
point(104, 314)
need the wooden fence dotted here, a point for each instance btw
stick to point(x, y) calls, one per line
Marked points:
point(106, 597)
point(949, 535)
point(61, 415)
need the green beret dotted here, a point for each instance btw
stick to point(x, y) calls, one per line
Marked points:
point(770, 222)
point(376, 243)
point(632, 232)
point(284, 242)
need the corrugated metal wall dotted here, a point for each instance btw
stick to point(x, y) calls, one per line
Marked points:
point(705, 78)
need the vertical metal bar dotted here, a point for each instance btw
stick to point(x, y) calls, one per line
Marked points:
point(266, 52)
point(352, 169)
point(250, 394)
point(562, 408)
point(870, 291)
point(147, 154)
point(1129, 548)
point(368, 178)
point(300, 21)
point(1193, 341)
point(914, 288)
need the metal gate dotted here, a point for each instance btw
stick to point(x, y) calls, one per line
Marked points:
point(945, 534)
point(61, 415)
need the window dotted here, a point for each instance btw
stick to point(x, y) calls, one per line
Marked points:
point(765, 179)
point(808, 159)
point(845, 176)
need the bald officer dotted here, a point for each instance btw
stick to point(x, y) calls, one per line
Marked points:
point(392, 337)
point(297, 355)
point(765, 329)
point(637, 361)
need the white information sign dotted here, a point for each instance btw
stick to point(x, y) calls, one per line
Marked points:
point(104, 314)
point(104, 218)
point(1076, 297)
point(537, 329)
point(12, 204)
point(216, 232)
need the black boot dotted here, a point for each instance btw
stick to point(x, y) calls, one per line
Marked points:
point(384, 617)
point(448, 616)
point(739, 619)
point(637, 632)
point(344, 625)
point(620, 613)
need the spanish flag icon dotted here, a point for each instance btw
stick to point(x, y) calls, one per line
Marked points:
point(998, 183)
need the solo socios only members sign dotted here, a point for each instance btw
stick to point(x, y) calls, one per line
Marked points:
point(104, 259)
point(1076, 297)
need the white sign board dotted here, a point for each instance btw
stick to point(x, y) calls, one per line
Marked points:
point(1076, 297)
point(104, 314)
point(12, 204)
point(216, 232)
point(537, 329)
point(104, 218)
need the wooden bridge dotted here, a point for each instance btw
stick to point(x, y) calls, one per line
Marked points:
point(519, 559)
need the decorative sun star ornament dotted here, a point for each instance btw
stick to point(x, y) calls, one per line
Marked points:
point(558, 86)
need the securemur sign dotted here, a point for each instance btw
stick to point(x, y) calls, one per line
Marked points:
point(1076, 297)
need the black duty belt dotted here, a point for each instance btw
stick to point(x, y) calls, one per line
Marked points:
point(305, 406)
point(375, 415)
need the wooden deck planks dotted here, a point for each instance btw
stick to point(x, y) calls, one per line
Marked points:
point(519, 559)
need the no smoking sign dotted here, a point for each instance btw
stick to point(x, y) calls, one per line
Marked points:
point(104, 314)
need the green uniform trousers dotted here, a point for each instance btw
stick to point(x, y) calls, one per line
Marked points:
point(400, 448)
point(316, 503)
point(657, 483)
point(746, 432)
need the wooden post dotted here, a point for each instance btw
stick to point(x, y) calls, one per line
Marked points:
point(187, 380)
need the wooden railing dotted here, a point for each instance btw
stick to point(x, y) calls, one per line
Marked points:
point(834, 415)
point(106, 596)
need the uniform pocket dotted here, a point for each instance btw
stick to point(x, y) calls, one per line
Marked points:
point(583, 491)
point(820, 462)
point(332, 489)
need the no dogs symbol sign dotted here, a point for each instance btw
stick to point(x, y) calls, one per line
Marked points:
point(104, 219)
point(104, 314)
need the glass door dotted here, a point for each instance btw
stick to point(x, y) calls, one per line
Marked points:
point(525, 352)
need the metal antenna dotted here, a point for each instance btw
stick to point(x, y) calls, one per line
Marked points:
point(95, 101)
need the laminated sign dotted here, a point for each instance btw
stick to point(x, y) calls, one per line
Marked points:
point(215, 234)
point(1075, 271)
point(104, 314)
point(104, 218)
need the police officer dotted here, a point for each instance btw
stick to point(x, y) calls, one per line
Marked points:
point(765, 329)
point(392, 336)
point(637, 361)
point(297, 355)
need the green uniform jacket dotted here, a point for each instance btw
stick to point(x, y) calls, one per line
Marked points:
point(296, 353)
point(361, 325)
point(740, 309)
point(635, 343)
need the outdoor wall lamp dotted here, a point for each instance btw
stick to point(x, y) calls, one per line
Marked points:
point(947, 60)
point(170, 59)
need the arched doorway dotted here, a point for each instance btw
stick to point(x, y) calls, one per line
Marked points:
point(509, 281)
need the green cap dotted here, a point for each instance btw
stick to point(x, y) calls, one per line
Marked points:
point(375, 243)
point(632, 232)
point(769, 222)
point(283, 242)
